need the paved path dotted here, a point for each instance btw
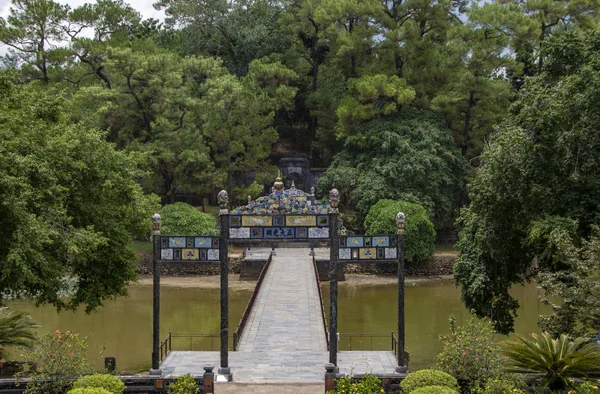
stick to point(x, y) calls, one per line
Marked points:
point(286, 317)
point(284, 340)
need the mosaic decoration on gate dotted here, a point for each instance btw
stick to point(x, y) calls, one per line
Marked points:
point(368, 247)
point(189, 249)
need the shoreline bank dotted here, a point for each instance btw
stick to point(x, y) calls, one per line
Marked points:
point(213, 281)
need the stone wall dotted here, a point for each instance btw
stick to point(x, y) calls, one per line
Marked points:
point(144, 267)
point(439, 264)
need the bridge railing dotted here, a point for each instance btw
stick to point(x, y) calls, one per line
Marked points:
point(191, 342)
point(367, 341)
point(237, 335)
point(314, 260)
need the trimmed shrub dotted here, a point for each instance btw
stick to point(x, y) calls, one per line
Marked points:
point(368, 384)
point(88, 390)
point(419, 241)
point(185, 384)
point(183, 219)
point(435, 390)
point(428, 378)
point(105, 381)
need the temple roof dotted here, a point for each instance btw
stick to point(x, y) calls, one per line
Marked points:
point(282, 201)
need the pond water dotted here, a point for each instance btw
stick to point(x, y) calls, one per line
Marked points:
point(123, 328)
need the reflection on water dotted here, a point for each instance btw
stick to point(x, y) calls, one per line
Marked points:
point(124, 326)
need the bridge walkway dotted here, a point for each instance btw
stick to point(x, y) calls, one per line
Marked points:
point(284, 339)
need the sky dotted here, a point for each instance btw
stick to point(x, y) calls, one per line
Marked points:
point(144, 7)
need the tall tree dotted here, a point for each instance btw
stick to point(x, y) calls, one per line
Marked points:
point(539, 174)
point(70, 203)
point(478, 92)
point(32, 31)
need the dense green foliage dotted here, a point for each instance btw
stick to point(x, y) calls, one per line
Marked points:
point(89, 390)
point(410, 157)
point(554, 361)
point(367, 384)
point(70, 203)
point(59, 357)
point(426, 378)
point(573, 291)
point(108, 382)
point(183, 219)
point(216, 94)
point(16, 331)
point(434, 390)
point(470, 353)
point(184, 385)
point(419, 238)
point(538, 184)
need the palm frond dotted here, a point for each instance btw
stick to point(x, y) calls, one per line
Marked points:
point(16, 330)
point(552, 360)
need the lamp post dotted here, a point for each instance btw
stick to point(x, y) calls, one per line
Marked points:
point(155, 293)
point(334, 197)
point(223, 199)
point(400, 223)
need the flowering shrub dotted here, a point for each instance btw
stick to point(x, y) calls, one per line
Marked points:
point(60, 357)
point(435, 390)
point(425, 378)
point(369, 384)
point(470, 353)
point(110, 383)
point(185, 384)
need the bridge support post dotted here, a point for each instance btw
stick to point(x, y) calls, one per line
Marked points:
point(223, 200)
point(402, 367)
point(155, 294)
point(334, 197)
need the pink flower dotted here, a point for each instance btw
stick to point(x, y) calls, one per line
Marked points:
point(57, 332)
point(464, 354)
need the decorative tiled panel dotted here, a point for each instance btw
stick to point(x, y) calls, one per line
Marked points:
point(282, 232)
point(318, 232)
point(301, 220)
point(255, 221)
point(242, 232)
point(192, 249)
point(368, 247)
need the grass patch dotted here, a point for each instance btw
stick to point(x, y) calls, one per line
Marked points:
point(142, 246)
point(445, 248)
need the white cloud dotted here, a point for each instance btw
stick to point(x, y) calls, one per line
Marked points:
point(144, 7)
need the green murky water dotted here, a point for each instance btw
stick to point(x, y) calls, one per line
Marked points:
point(123, 328)
point(372, 309)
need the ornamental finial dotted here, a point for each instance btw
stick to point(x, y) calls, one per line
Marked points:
point(156, 224)
point(400, 221)
point(334, 197)
point(223, 199)
point(278, 185)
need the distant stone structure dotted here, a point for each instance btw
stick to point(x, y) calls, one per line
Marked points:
point(297, 169)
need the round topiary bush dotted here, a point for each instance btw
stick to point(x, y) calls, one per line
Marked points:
point(183, 219)
point(108, 382)
point(419, 239)
point(428, 377)
point(88, 390)
point(435, 390)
